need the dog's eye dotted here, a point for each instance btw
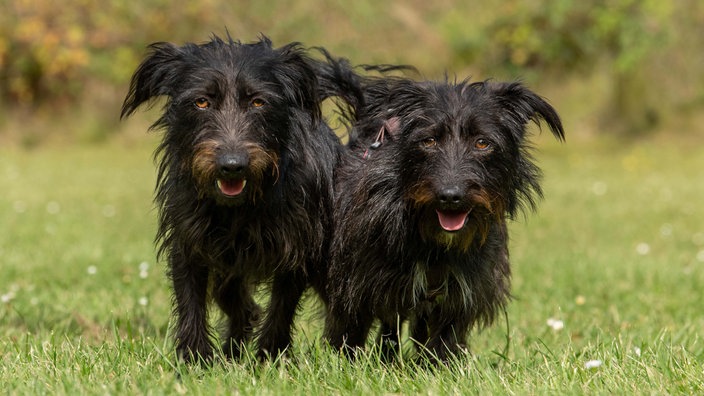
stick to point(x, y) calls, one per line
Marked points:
point(429, 142)
point(202, 103)
point(482, 144)
point(256, 102)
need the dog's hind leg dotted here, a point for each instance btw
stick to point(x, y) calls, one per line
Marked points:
point(389, 339)
point(234, 297)
point(190, 281)
point(275, 333)
point(345, 331)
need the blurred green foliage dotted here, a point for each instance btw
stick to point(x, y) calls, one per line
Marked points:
point(570, 38)
point(565, 35)
point(649, 51)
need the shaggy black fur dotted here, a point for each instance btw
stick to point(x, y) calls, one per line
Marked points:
point(244, 185)
point(434, 171)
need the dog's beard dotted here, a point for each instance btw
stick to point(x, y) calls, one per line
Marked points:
point(455, 229)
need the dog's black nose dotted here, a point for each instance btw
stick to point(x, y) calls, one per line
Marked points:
point(450, 195)
point(230, 165)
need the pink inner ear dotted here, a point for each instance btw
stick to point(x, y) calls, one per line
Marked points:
point(392, 125)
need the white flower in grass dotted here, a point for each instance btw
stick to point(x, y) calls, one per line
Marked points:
point(666, 230)
point(19, 206)
point(143, 269)
point(643, 248)
point(109, 211)
point(599, 188)
point(555, 324)
point(10, 295)
point(53, 207)
point(143, 301)
point(592, 364)
point(637, 351)
point(92, 270)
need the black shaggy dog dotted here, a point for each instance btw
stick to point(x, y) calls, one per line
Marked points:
point(244, 187)
point(434, 171)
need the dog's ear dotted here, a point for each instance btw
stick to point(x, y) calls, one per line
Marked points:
point(392, 127)
point(523, 105)
point(155, 75)
point(296, 72)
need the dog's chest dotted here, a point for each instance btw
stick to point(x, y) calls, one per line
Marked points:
point(430, 282)
point(265, 247)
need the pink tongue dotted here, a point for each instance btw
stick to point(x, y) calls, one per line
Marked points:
point(451, 220)
point(231, 187)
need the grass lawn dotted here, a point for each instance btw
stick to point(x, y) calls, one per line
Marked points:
point(613, 259)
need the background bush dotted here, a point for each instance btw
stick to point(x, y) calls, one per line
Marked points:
point(633, 63)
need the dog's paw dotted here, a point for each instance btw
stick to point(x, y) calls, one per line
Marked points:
point(199, 354)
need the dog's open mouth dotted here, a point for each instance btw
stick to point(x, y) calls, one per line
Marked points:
point(452, 220)
point(231, 187)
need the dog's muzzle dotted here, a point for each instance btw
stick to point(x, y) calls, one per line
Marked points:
point(232, 174)
point(452, 216)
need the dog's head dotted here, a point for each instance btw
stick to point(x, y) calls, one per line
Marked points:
point(229, 114)
point(461, 150)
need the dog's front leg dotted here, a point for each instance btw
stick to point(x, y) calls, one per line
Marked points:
point(346, 330)
point(389, 339)
point(234, 297)
point(275, 333)
point(190, 281)
point(447, 340)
